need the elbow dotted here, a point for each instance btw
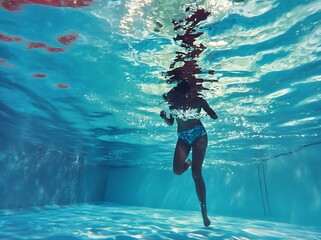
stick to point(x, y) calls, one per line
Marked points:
point(169, 122)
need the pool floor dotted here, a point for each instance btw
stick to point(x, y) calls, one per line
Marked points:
point(112, 221)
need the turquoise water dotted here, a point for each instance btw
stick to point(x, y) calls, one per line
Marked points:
point(113, 221)
point(80, 94)
point(266, 57)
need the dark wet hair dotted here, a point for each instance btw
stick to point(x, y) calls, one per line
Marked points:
point(182, 87)
point(188, 84)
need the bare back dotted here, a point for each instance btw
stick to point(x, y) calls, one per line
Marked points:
point(196, 105)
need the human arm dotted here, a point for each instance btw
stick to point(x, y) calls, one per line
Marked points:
point(169, 121)
point(209, 110)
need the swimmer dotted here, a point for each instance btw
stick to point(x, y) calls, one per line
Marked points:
point(191, 135)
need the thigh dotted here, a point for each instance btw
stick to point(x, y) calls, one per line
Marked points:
point(181, 152)
point(199, 150)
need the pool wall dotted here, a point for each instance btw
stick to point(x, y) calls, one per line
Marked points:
point(34, 175)
point(285, 188)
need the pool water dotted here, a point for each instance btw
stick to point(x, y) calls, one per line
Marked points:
point(82, 84)
point(114, 221)
point(91, 76)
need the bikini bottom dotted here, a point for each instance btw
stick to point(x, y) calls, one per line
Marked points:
point(189, 136)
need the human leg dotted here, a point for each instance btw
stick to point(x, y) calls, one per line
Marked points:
point(181, 152)
point(199, 150)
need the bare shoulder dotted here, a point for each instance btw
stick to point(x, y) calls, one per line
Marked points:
point(202, 102)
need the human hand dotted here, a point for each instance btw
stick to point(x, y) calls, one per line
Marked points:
point(162, 114)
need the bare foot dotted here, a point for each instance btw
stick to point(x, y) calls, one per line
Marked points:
point(206, 220)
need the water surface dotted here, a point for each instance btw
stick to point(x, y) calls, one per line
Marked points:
point(88, 77)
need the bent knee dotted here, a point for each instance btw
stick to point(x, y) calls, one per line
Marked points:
point(178, 171)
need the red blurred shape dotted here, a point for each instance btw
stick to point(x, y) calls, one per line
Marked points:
point(16, 4)
point(68, 39)
point(52, 49)
point(45, 46)
point(6, 38)
point(2, 62)
point(61, 85)
point(12, 4)
point(39, 75)
point(37, 45)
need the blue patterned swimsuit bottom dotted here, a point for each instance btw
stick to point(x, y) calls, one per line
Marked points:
point(189, 136)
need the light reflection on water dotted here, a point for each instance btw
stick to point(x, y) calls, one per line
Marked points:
point(113, 221)
point(102, 94)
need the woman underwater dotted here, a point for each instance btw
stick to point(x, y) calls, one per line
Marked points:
point(191, 135)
